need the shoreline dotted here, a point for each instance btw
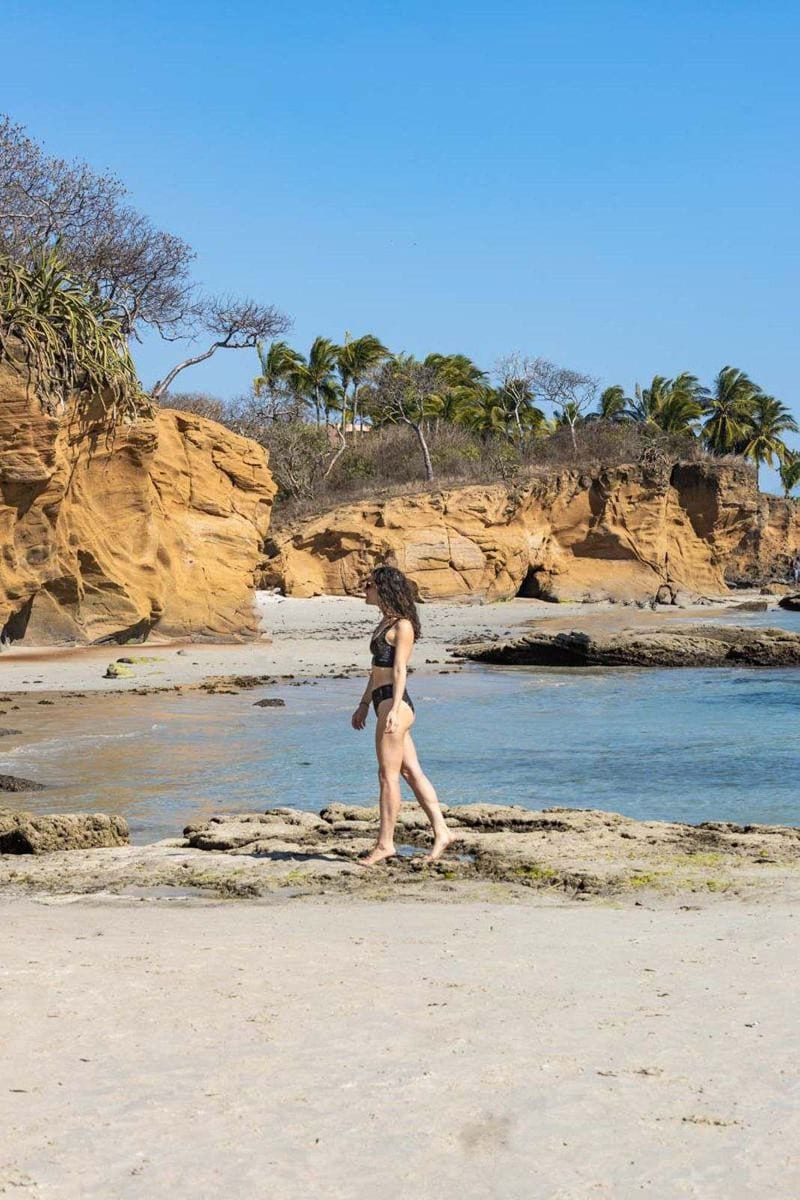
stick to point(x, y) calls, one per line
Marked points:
point(323, 637)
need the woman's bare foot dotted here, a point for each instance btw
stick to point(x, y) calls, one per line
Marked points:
point(440, 844)
point(379, 854)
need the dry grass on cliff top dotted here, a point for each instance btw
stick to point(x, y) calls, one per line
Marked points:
point(387, 462)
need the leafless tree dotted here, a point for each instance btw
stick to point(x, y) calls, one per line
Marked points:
point(232, 325)
point(406, 393)
point(570, 393)
point(141, 270)
point(521, 380)
point(516, 377)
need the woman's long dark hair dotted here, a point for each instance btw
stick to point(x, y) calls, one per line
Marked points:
point(396, 595)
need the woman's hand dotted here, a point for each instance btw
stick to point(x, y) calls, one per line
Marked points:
point(359, 717)
point(392, 721)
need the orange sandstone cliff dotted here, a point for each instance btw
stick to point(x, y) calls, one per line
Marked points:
point(157, 527)
point(615, 534)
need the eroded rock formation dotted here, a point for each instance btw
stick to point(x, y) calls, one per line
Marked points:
point(109, 536)
point(687, 646)
point(615, 534)
point(31, 833)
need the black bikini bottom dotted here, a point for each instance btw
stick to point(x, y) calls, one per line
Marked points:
point(387, 693)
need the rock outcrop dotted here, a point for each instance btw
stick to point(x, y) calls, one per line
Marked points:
point(29, 833)
point(617, 534)
point(109, 535)
point(687, 646)
point(581, 850)
point(509, 848)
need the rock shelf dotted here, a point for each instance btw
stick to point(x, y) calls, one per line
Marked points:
point(688, 646)
point(580, 852)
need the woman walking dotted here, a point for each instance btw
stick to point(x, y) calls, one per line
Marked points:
point(391, 645)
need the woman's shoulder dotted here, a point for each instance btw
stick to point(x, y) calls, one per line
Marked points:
point(403, 623)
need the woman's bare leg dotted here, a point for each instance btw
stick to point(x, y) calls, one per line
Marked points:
point(389, 749)
point(425, 793)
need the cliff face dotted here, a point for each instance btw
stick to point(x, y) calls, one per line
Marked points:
point(159, 526)
point(617, 534)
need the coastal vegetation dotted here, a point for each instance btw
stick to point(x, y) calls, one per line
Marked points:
point(83, 276)
point(65, 337)
point(138, 277)
point(336, 431)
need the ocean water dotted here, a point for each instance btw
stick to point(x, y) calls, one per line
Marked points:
point(692, 745)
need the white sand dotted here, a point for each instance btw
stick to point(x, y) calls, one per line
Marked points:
point(322, 636)
point(554, 1051)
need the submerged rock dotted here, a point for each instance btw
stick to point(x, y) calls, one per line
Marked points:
point(13, 783)
point(31, 833)
point(689, 646)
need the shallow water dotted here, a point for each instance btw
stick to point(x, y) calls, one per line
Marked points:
point(668, 745)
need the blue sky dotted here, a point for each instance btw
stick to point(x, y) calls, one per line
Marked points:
point(613, 186)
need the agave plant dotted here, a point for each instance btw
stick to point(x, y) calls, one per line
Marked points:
point(65, 338)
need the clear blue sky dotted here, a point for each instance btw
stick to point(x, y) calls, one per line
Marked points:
point(613, 186)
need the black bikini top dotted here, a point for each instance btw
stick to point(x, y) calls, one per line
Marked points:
point(382, 651)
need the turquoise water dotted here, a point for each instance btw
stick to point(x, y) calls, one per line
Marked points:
point(667, 745)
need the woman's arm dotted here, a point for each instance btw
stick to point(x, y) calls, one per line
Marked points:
point(403, 645)
point(359, 717)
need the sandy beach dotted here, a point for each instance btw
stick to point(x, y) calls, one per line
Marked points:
point(327, 1033)
point(326, 635)
point(309, 1048)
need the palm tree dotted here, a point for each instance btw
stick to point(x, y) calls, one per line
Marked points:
point(728, 411)
point(647, 401)
point(459, 381)
point(354, 360)
point(314, 378)
point(770, 418)
point(613, 404)
point(681, 406)
point(279, 365)
point(483, 412)
point(789, 471)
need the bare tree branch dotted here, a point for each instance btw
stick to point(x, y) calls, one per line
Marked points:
point(238, 325)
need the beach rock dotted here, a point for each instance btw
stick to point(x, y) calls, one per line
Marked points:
point(252, 830)
point(9, 732)
point(118, 670)
point(108, 538)
point(620, 534)
point(13, 783)
point(792, 603)
point(29, 833)
point(272, 702)
point(577, 850)
point(689, 646)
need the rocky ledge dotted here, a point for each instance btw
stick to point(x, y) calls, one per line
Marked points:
point(688, 646)
point(29, 833)
point(499, 850)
